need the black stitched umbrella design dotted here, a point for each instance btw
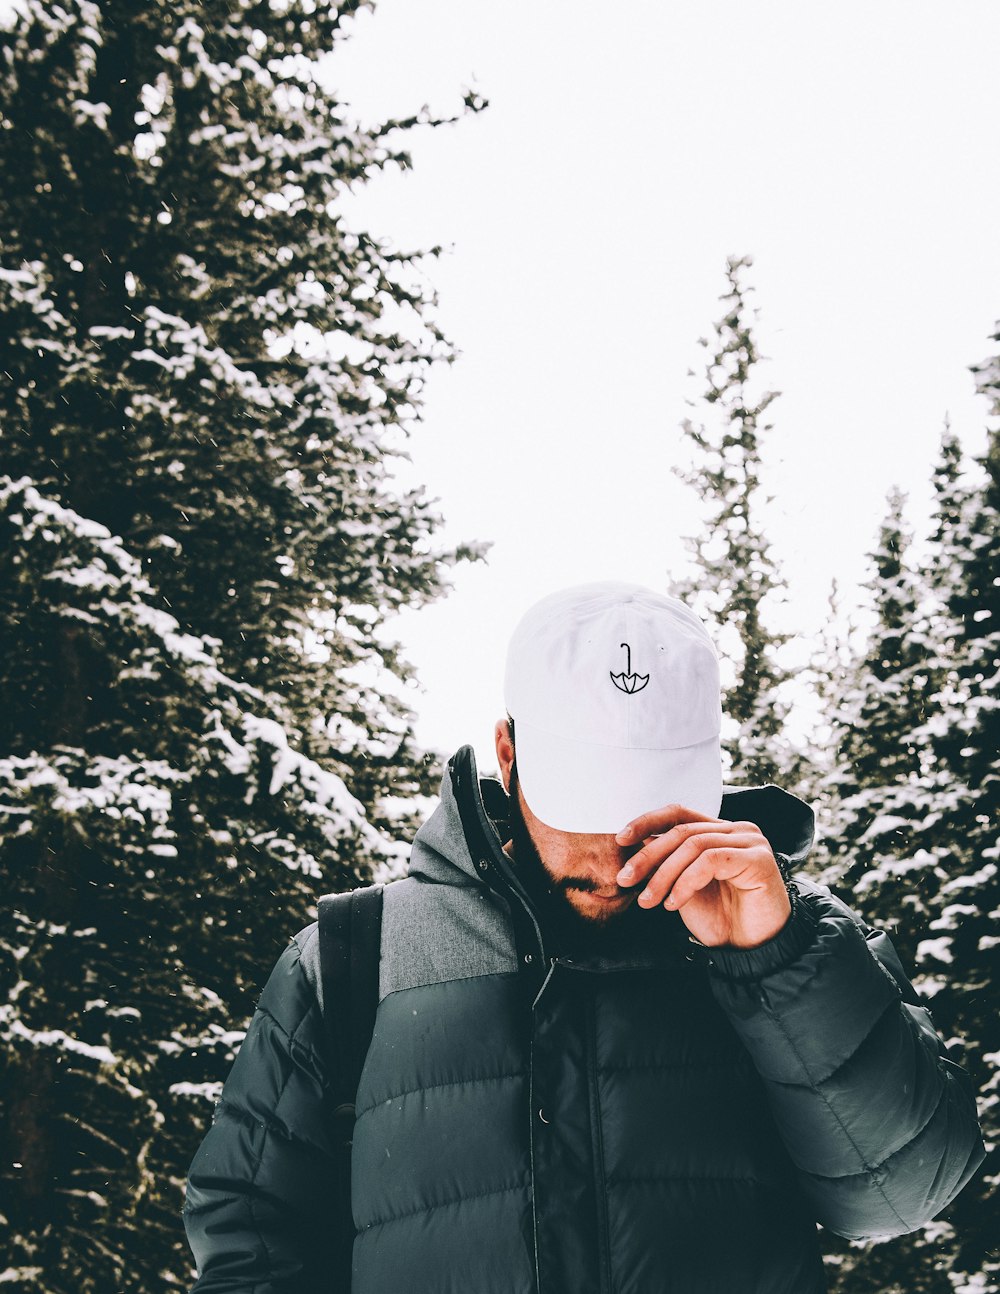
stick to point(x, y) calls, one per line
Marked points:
point(626, 681)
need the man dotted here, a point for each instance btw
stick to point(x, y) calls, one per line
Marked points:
point(616, 1048)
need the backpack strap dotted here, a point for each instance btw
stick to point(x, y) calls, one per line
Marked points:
point(350, 930)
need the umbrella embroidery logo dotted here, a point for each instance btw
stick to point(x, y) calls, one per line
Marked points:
point(626, 681)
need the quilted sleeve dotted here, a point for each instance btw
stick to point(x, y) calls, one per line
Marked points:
point(260, 1187)
point(880, 1124)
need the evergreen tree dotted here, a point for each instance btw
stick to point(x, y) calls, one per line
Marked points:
point(202, 357)
point(956, 957)
point(912, 845)
point(150, 875)
point(963, 953)
point(830, 679)
point(949, 526)
point(737, 580)
point(879, 802)
point(205, 377)
point(878, 784)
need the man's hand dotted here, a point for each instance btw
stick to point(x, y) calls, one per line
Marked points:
point(721, 876)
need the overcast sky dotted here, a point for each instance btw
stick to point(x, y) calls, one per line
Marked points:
point(589, 211)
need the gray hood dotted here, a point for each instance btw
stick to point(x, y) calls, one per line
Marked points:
point(465, 909)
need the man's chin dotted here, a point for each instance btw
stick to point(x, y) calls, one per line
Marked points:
point(598, 908)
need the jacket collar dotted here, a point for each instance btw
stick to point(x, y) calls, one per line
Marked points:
point(461, 842)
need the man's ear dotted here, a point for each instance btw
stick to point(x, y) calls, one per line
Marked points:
point(505, 751)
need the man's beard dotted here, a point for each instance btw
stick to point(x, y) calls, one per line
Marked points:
point(550, 893)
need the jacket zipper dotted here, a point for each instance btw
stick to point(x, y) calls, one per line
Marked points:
point(531, 1128)
point(597, 1142)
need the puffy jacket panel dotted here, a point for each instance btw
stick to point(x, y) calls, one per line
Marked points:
point(440, 1164)
point(879, 1122)
point(261, 1186)
point(739, 1239)
point(657, 1164)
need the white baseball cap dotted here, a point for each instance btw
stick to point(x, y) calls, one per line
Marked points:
point(615, 696)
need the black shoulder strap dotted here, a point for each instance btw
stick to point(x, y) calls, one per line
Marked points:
point(350, 929)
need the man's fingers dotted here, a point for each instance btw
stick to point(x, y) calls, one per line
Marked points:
point(711, 866)
point(653, 823)
point(739, 850)
point(659, 848)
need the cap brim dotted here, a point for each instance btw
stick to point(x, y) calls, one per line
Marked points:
point(590, 789)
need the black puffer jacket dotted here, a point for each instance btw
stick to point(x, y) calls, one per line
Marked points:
point(648, 1118)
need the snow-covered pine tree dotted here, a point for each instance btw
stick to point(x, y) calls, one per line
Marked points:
point(877, 800)
point(830, 677)
point(151, 867)
point(906, 846)
point(948, 830)
point(974, 602)
point(206, 359)
point(948, 535)
point(881, 762)
point(737, 580)
point(962, 953)
point(204, 377)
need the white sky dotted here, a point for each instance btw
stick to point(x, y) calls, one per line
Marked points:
point(589, 211)
point(628, 150)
